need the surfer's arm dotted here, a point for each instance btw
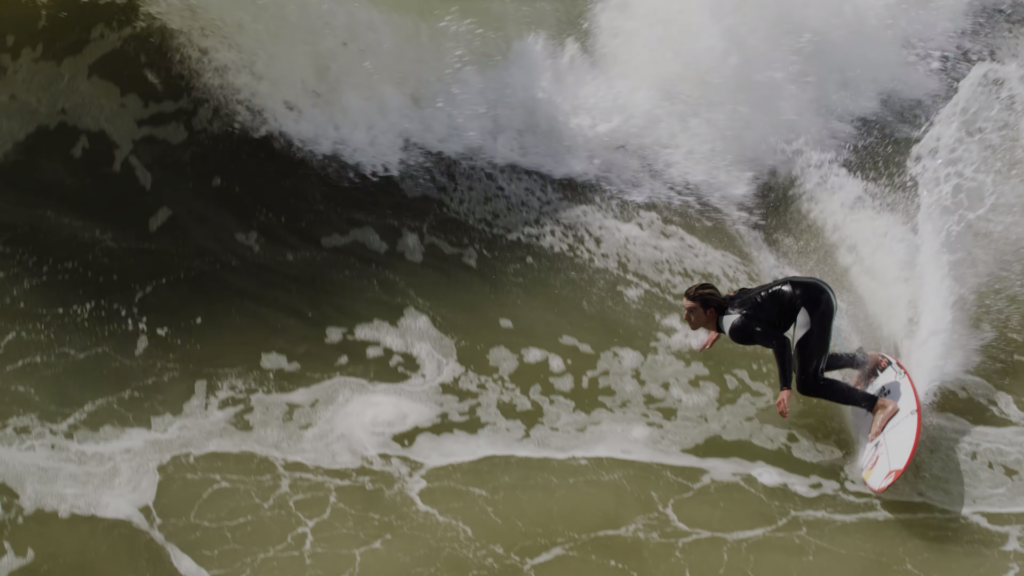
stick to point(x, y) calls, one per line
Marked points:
point(709, 341)
point(746, 332)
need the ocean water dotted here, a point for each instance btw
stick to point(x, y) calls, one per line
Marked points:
point(393, 287)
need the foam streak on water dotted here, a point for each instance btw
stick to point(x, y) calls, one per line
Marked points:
point(340, 423)
point(347, 423)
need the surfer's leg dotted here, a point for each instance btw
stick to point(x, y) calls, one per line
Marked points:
point(841, 360)
point(811, 382)
point(811, 352)
point(867, 365)
point(876, 363)
point(814, 335)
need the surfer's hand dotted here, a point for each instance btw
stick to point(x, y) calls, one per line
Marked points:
point(712, 338)
point(782, 404)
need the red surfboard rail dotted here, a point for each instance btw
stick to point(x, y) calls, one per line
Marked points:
point(893, 475)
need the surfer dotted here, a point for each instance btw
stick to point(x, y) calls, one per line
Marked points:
point(763, 315)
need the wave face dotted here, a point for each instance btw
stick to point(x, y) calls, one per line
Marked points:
point(310, 287)
point(696, 92)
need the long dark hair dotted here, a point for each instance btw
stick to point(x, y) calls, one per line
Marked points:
point(706, 296)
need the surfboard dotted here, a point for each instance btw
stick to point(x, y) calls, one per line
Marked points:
point(883, 460)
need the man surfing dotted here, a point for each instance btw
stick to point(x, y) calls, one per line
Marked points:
point(763, 315)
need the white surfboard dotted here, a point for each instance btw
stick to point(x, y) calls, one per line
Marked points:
point(883, 460)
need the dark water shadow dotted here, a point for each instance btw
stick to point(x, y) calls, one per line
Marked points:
point(934, 482)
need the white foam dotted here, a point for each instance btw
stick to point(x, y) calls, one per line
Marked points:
point(3, 343)
point(409, 245)
point(656, 255)
point(365, 235)
point(141, 344)
point(370, 420)
point(503, 359)
point(416, 335)
point(335, 334)
point(81, 145)
point(275, 361)
point(967, 167)
point(563, 383)
point(632, 293)
point(683, 338)
point(503, 322)
point(544, 557)
point(608, 443)
point(555, 363)
point(533, 355)
point(570, 341)
point(39, 93)
point(250, 239)
point(144, 177)
point(12, 562)
point(468, 254)
point(700, 91)
point(157, 220)
point(918, 275)
point(866, 237)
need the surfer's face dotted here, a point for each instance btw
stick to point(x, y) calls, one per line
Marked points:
point(693, 315)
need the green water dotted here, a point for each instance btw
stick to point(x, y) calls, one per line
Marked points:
point(252, 386)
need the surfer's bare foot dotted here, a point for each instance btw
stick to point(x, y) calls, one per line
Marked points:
point(885, 409)
point(876, 364)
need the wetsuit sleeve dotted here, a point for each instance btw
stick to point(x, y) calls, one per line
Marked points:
point(747, 332)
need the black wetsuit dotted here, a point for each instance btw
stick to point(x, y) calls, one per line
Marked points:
point(764, 315)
